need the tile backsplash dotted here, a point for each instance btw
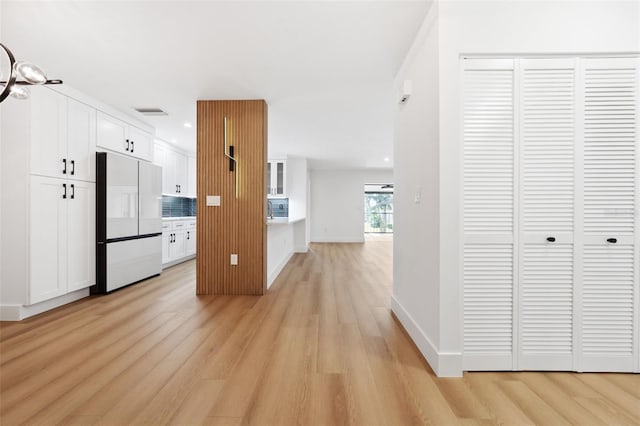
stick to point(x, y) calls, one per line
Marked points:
point(280, 207)
point(178, 206)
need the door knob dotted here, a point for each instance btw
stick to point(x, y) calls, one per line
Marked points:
point(612, 240)
point(551, 239)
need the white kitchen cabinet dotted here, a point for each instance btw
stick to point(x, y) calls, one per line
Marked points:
point(81, 141)
point(191, 241)
point(112, 133)
point(192, 180)
point(180, 164)
point(178, 240)
point(81, 235)
point(167, 238)
point(48, 241)
point(48, 124)
point(63, 136)
point(62, 245)
point(116, 135)
point(141, 143)
point(277, 179)
point(178, 246)
point(174, 170)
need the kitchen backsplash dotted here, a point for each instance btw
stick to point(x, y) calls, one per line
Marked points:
point(280, 207)
point(178, 206)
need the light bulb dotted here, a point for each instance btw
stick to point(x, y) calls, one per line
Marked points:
point(20, 92)
point(31, 73)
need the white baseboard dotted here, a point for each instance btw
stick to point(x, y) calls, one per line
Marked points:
point(274, 274)
point(20, 312)
point(10, 312)
point(301, 249)
point(336, 240)
point(177, 261)
point(444, 364)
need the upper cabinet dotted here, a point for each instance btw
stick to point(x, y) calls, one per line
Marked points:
point(116, 135)
point(175, 180)
point(63, 136)
point(191, 178)
point(276, 179)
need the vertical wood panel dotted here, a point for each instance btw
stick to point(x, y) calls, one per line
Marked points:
point(238, 225)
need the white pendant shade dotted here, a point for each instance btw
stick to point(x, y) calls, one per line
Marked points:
point(31, 73)
point(20, 92)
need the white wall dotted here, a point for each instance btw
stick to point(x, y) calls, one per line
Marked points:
point(482, 28)
point(337, 203)
point(280, 245)
point(417, 225)
point(297, 187)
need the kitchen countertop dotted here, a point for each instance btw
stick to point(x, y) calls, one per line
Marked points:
point(179, 218)
point(283, 220)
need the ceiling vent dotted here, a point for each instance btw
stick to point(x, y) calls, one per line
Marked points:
point(151, 111)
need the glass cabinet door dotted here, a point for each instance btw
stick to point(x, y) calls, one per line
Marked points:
point(279, 178)
point(269, 178)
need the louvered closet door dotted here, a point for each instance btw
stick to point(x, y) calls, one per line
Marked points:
point(609, 298)
point(546, 212)
point(488, 200)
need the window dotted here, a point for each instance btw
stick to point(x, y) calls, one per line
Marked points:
point(378, 211)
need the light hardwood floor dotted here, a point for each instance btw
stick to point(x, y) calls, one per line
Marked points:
point(321, 348)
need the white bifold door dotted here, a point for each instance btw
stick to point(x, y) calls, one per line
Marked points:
point(550, 214)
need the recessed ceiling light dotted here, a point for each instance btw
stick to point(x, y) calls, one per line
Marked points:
point(386, 159)
point(188, 125)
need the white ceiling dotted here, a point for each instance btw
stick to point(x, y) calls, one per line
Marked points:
point(324, 67)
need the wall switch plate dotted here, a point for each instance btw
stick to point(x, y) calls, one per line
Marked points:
point(213, 200)
point(234, 259)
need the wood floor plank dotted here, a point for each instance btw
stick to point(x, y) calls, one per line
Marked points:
point(555, 397)
point(197, 403)
point(321, 348)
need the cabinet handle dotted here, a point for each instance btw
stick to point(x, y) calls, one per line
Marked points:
point(73, 191)
point(180, 189)
point(187, 235)
point(132, 146)
point(73, 167)
point(551, 239)
point(127, 145)
point(612, 240)
point(64, 196)
point(64, 161)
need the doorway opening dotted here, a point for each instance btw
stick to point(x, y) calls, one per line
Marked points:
point(378, 208)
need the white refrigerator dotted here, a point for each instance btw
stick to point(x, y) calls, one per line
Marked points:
point(128, 221)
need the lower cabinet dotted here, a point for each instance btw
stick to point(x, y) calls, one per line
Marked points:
point(191, 241)
point(178, 240)
point(62, 237)
point(178, 247)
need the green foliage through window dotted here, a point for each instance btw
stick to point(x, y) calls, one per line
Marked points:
point(378, 212)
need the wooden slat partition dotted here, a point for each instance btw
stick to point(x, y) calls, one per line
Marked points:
point(238, 225)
